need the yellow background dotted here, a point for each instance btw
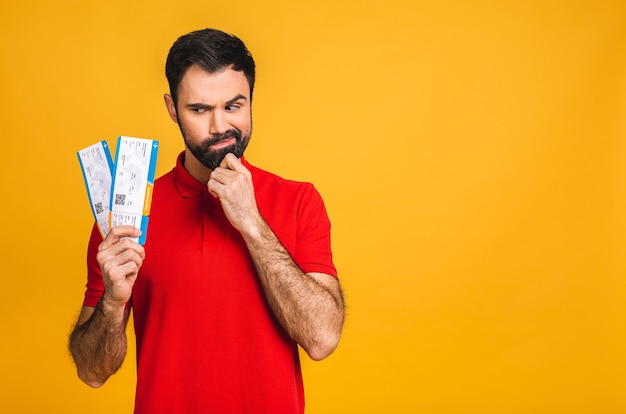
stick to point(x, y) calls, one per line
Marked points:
point(472, 158)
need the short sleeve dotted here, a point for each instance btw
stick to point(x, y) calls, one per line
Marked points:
point(313, 248)
point(95, 285)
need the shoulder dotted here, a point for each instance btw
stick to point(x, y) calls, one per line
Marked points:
point(277, 193)
point(164, 182)
point(168, 176)
point(277, 185)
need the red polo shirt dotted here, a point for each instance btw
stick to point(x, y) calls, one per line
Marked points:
point(207, 341)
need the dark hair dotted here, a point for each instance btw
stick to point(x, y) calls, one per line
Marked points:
point(212, 50)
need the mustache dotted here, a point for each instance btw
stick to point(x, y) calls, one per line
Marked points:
point(217, 138)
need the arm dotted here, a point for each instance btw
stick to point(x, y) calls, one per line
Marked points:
point(98, 343)
point(98, 340)
point(308, 306)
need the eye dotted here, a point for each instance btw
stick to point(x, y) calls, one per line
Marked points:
point(198, 110)
point(232, 107)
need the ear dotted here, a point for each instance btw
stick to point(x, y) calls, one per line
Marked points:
point(171, 108)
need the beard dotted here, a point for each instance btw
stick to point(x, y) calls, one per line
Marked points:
point(210, 158)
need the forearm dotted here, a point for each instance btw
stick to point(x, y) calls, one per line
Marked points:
point(98, 345)
point(308, 306)
point(309, 309)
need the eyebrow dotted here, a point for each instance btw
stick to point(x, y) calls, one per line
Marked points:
point(231, 101)
point(235, 99)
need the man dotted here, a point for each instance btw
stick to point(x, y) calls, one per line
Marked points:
point(236, 271)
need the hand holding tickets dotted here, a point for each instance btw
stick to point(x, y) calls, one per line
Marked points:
point(130, 184)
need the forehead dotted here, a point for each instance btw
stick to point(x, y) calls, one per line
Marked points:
point(202, 86)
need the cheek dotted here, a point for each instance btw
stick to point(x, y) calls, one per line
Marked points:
point(243, 124)
point(192, 128)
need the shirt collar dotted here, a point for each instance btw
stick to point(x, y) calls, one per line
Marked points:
point(185, 183)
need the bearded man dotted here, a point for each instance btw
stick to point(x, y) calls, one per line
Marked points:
point(236, 273)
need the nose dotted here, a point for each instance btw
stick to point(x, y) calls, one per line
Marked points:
point(218, 122)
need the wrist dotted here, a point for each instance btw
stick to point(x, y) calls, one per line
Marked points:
point(255, 229)
point(110, 306)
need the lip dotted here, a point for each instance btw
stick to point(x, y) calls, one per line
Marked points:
point(225, 143)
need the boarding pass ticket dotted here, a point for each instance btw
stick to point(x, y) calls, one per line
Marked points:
point(133, 181)
point(97, 165)
point(131, 185)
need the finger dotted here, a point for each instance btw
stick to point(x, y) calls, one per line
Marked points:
point(231, 162)
point(127, 244)
point(129, 251)
point(128, 248)
point(117, 233)
point(221, 174)
point(214, 186)
point(228, 160)
point(117, 272)
point(120, 266)
point(120, 254)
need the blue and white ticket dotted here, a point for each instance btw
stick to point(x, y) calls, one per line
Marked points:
point(97, 166)
point(133, 182)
